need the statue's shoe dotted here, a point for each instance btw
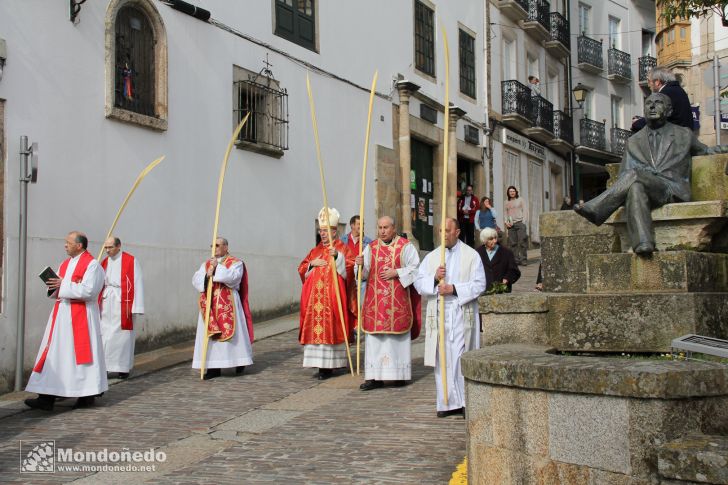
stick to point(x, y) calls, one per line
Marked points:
point(644, 249)
point(586, 213)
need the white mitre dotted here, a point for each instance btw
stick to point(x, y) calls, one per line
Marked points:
point(333, 217)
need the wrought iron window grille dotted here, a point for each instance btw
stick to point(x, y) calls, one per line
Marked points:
point(261, 95)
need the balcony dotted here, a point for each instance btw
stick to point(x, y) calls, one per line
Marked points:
point(619, 140)
point(537, 23)
point(589, 55)
point(619, 69)
point(559, 41)
point(646, 64)
point(516, 99)
point(593, 141)
point(563, 140)
point(542, 116)
point(513, 9)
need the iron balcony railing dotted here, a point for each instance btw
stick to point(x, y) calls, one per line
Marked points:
point(619, 140)
point(516, 99)
point(538, 11)
point(619, 63)
point(542, 114)
point(592, 134)
point(563, 127)
point(646, 64)
point(523, 4)
point(560, 30)
point(589, 51)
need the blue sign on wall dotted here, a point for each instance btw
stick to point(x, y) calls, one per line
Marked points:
point(696, 117)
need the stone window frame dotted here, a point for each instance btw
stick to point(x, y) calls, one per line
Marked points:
point(160, 121)
point(462, 29)
point(426, 4)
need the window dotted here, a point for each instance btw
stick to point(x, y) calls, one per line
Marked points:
point(296, 21)
point(424, 38)
point(683, 33)
point(260, 95)
point(584, 18)
point(509, 59)
point(614, 24)
point(671, 36)
point(511, 170)
point(136, 64)
point(467, 64)
point(134, 80)
point(588, 100)
point(617, 110)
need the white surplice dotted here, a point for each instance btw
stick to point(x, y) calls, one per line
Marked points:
point(61, 376)
point(464, 270)
point(119, 343)
point(388, 357)
point(327, 356)
point(236, 351)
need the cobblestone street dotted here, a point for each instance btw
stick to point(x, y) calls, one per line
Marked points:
point(275, 424)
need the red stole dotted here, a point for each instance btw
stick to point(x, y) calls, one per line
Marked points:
point(320, 322)
point(79, 317)
point(126, 282)
point(388, 306)
point(222, 314)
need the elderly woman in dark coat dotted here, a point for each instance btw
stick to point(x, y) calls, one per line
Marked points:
point(498, 261)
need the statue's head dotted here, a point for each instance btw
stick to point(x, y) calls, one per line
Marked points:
point(657, 108)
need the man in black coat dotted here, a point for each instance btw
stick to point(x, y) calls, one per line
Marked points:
point(499, 262)
point(662, 80)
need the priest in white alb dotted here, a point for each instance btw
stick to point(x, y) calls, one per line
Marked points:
point(460, 281)
point(70, 361)
point(390, 313)
point(230, 328)
point(121, 299)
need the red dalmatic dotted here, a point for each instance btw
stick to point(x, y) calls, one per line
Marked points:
point(222, 314)
point(320, 321)
point(388, 306)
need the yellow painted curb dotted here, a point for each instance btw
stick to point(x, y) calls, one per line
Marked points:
point(460, 475)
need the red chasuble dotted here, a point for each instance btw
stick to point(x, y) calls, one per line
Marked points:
point(79, 317)
point(126, 283)
point(388, 306)
point(222, 314)
point(320, 322)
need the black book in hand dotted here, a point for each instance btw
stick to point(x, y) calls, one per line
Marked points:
point(46, 275)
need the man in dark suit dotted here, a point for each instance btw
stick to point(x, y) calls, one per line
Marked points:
point(663, 81)
point(655, 171)
point(499, 262)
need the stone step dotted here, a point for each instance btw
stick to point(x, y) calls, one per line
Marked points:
point(668, 271)
point(700, 226)
point(633, 322)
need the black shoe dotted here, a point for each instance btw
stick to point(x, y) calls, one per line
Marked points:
point(43, 402)
point(586, 214)
point(84, 402)
point(644, 249)
point(211, 374)
point(324, 374)
point(123, 375)
point(240, 370)
point(399, 383)
point(451, 412)
point(370, 384)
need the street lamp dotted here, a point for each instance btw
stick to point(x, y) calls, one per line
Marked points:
point(579, 95)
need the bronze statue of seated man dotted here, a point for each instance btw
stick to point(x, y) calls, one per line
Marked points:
point(655, 171)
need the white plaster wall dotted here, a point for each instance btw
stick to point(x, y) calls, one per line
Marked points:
point(54, 87)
